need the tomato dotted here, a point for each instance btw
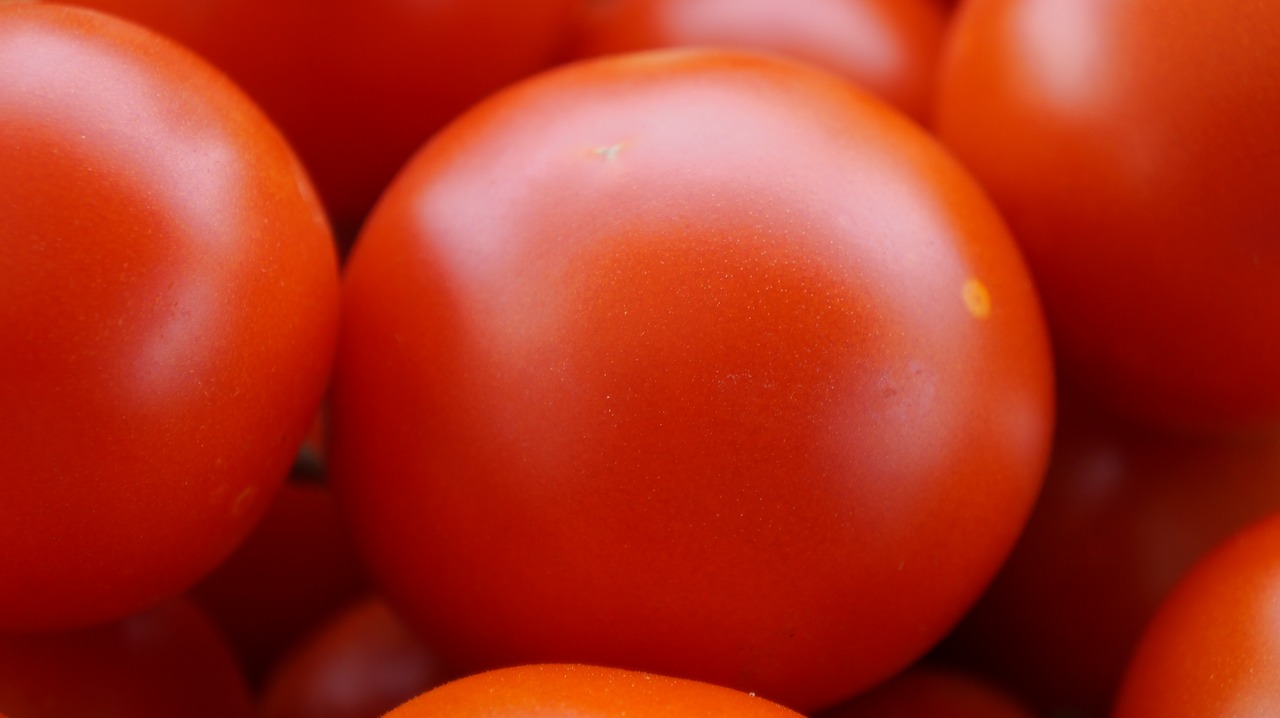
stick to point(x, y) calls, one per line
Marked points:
point(1123, 515)
point(1213, 648)
point(358, 85)
point(297, 568)
point(167, 662)
point(362, 663)
point(168, 308)
point(929, 692)
point(1132, 145)
point(583, 692)
point(889, 47)
point(690, 362)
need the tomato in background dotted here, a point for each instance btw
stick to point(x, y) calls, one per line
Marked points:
point(1133, 147)
point(168, 308)
point(1123, 515)
point(1213, 649)
point(297, 568)
point(706, 364)
point(584, 692)
point(931, 692)
point(362, 663)
point(888, 47)
point(164, 663)
point(358, 85)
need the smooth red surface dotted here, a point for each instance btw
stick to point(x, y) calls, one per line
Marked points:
point(165, 663)
point(929, 692)
point(168, 307)
point(1214, 647)
point(1124, 514)
point(358, 85)
point(360, 664)
point(297, 568)
point(1132, 146)
point(583, 692)
point(889, 47)
point(704, 364)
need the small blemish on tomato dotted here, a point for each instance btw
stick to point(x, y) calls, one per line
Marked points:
point(609, 153)
point(976, 298)
point(244, 501)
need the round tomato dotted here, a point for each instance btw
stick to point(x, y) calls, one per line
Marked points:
point(168, 308)
point(1213, 650)
point(700, 363)
point(1123, 515)
point(928, 692)
point(362, 663)
point(358, 85)
point(584, 692)
point(1133, 147)
point(164, 663)
point(889, 47)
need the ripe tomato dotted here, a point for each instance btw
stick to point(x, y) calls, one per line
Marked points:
point(1133, 147)
point(358, 85)
point(889, 47)
point(928, 692)
point(168, 308)
point(1214, 647)
point(1123, 515)
point(164, 663)
point(700, 363)
point(584, 692)
point(362, 663)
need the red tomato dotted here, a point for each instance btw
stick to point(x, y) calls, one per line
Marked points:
point(361, 664)
point(927, 692)
point(296, 569)
point(699, 363)
point(1133, 146)
point(1214, 647)
point(165, 663)
point(1124, 514)
point(889, 47)
point(584, 692)
point(358, 85)
point(168, 304)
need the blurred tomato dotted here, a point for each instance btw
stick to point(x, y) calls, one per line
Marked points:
point(1213, 650)
point(698, 363)
point(361, 664)
point(584, 692)
point(928, 692)
point(295, 570)
point(1123, 515)
point(165, 663)
point(888, 47)
point(1133, 147)
point(168, 308)
point(358, 85)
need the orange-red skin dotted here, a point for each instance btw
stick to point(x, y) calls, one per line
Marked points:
point(1132, 146)
point(888, 47)
point(168, 307)
point(668, 362)
point(583, 692)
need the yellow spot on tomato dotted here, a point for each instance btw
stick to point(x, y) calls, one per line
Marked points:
point(244, 501)
point(976, 298)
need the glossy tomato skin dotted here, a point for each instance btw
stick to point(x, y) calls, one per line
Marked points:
point(931, 692)
point(1212, 649)
point(1132, 146)
point(1124, 513)
point(358, 85)
point(169, 661)
point(700, 363)
point(361, 663)
point(168, 304)
point(889, 47)
point(584, 692)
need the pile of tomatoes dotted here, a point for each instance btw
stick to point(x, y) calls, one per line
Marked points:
point(846, 358)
